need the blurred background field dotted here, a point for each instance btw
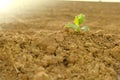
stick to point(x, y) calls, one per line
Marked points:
point(104, 16)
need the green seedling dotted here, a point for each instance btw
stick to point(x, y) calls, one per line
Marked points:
point(80, 19)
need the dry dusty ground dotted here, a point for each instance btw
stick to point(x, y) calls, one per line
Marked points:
point(36, 47)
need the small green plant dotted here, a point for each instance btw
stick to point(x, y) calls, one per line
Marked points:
point(77, 24)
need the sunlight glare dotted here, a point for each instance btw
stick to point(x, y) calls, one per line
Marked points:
point(4, 5)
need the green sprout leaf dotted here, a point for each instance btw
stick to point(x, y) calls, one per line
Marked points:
point(70, 25)
point(79, 19)
point(85, 28)
point(76, 26)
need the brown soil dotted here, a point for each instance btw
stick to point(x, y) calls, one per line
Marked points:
point(48, 52)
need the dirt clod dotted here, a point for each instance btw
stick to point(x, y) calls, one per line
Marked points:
point(79, 56)
point(41, 76)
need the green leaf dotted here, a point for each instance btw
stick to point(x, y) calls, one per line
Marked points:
point(74, 27)
point(79, 19)
point(85, 28)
